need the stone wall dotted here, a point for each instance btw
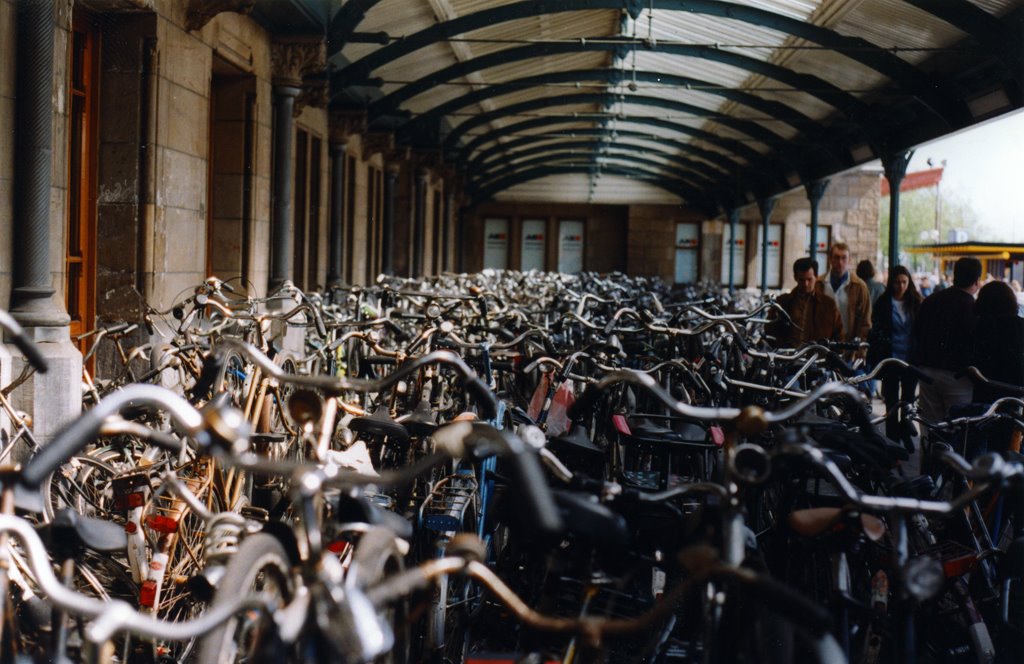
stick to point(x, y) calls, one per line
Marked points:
point(8, 45)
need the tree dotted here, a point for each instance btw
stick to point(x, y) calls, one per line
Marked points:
point(926, 217)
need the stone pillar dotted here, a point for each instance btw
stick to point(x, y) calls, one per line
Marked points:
point(53, 398)
point(447, 224)
point(387, 235)
point(895, 166)
point(815, 191)
point(281, 267)
point(290, 61)
point(419, 226)
point(335, 249)
point(734, 218)
point(766, 206)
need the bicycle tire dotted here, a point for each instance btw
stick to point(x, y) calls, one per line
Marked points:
point(376, 557)
point(259, 558)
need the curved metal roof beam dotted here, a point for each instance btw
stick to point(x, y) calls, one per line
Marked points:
point(640, 164)
point(727, 164)
point(934, 95)
point(813, 133)
point(988, 32)
point(345, 21)
point(481, 159)
point(593, 150)
point(822, 90)
point(747, 127)
point(698, 199)
point(776, 166)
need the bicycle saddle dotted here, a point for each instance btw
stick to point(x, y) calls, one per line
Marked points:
point(422, 421)
point(816, 521)
point(360, 509)
point(379, 423)
point(683, 431)
point(577, 440)
point(70, 532)
point(593, 523)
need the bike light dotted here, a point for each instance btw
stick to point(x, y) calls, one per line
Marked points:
point(751, 464)
point(923, 578)
point(305, 407)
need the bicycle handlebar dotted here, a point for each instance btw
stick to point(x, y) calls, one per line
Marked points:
point(82, 430)
point(482, 394)
point(115, 615)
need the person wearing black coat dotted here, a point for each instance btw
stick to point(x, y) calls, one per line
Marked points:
point(892, 320)
point(997, 351)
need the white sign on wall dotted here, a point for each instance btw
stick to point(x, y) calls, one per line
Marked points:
point(774, 255)
point(824, 239)
point(534, 238)
point(570, 246)
point(739, 252)
point(496, 243)
point(687, 253)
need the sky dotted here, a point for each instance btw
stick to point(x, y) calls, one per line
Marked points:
point(985, 168)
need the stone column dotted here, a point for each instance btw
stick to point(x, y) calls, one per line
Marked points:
point(734, 218)
point(895, 166)
point(387, 235)
point(335, 248)
point(419, 226)
point(32, 302)
point(815, 192)
point(290, 61)
point(53, 398)
point(447, 223)
point(766, 206)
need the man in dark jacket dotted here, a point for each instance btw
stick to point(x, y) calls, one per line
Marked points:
point(814, 315)
point(942, 342)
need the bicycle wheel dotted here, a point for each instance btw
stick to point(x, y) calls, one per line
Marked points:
point(376, 557)
point(260, 565)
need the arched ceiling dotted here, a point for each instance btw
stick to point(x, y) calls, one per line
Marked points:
point(709, 102)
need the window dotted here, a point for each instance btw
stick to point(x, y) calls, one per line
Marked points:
point(570, 246)
point(687, 253)
point(306, 239)
point(774, 255)
point(230, 171)
point(80, 256)
point(532, 244)
point(739, 254)
point(496, 244)
point(350, 218)
point(374, 220)
point(438, 239)
point(824, 242)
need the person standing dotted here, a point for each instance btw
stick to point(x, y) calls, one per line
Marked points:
point(892, 321)
point(866, 271)
point(942, 342)
point(814, 315)
point(849, 291)
point(998, 354)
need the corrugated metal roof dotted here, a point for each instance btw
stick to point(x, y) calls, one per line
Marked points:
point(768, 76)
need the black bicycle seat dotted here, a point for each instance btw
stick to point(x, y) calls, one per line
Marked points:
point(422, 422)
point(379, 423)
point(360, 509)
point(70, 532)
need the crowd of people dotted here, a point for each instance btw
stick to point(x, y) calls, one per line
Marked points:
point(940, 328)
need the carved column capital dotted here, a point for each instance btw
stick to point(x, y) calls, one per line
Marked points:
point(201, 12)
point(293, 59)
point(377, 142)
point(312, 93)
point(345, 124)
